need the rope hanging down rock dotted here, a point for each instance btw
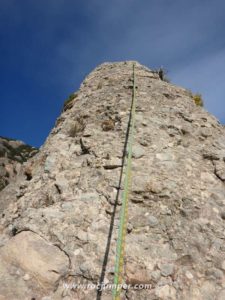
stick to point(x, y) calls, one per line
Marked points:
point(119, 265)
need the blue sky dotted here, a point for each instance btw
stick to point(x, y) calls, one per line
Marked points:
point(47, 47)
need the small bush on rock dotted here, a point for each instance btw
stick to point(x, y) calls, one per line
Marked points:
point(198, 99)
point(69, 101)
point(76, 127)
point(99, 86)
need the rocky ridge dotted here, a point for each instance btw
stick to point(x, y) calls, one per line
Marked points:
point(59, 224)
point(12, 155)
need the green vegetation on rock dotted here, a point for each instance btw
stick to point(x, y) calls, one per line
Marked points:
point(69, 101)
point(198, 99)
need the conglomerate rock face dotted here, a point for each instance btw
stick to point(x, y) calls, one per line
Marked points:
point(59, 224)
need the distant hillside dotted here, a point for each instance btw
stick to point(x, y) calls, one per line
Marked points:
point(12, 154)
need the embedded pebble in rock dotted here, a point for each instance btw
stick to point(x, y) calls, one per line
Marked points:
point(166, 269)
point(155, 275)
point(215, 273)
point(152, 221)
point(60, 217)
point(26, 277)
point(137, 152)
point(189, 275)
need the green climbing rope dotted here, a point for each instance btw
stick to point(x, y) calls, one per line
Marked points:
point(119, 265)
